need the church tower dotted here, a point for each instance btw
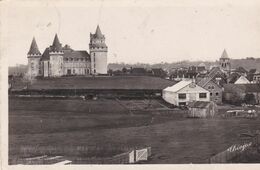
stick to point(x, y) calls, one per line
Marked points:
point(34, 56)
point(224, 62)
point(98, 52)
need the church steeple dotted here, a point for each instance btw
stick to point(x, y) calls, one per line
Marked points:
point(56, 45)
point(224, 54)
point(34, 48)
point(224, 62)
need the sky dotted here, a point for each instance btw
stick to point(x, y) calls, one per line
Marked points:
point(135, 30)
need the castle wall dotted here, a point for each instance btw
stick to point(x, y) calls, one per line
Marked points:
point(76, 67)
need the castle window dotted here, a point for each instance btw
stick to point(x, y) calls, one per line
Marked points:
point(216, 94)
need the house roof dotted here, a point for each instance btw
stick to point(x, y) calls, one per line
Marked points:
point(242, 80)
point(178, 86)
point(213, 72)
point(199, 104)
point(34, 48)
point(224, 54)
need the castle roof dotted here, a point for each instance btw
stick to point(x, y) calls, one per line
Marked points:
point(68, 52)
point(224, 54)
point(34, 48)
point(56, 45)
point(98, 33)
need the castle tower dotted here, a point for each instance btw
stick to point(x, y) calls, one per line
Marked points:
point(224, 62)
point(98, 52)
point(34, 56)
point(56, 58)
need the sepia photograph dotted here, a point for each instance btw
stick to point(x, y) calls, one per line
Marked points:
point(133, 82)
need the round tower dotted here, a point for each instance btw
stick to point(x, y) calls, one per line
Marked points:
point(98, 52)
point(56, 58)
point(34, 56)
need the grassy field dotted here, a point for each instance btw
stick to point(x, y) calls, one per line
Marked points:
point(80, 129)
point(107, 82)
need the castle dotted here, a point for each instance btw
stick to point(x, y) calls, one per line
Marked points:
point(58, 60)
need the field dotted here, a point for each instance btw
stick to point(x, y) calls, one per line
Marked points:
point(83, 130)
point(105, 82)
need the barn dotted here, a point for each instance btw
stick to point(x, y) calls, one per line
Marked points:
point(184, 92)
point(202, 109)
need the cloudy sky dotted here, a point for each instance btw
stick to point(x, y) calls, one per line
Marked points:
point(136, 31)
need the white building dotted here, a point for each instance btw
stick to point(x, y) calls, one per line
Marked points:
point(184, 92)
point(58, 60)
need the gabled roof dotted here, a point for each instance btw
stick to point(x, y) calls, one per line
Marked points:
point(34, 48)
point(212, 74)
point(242, 80)
point(56, 45)
point(224, 54)
point(178, 86)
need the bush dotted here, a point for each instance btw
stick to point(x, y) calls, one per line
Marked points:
point(250, 98)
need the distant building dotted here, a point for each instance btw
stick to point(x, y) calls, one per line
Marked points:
point(184, 92)
point(256, 78)
point(224, 62)
point(242, 80)
point(213, 86)
point(58, 60)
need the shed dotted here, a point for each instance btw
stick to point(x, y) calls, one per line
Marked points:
point(202, 109)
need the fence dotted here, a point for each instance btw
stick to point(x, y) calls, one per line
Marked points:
point(134, 156)
point(234, 151)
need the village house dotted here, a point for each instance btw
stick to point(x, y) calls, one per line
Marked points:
point(213, 86)
point(184, 92)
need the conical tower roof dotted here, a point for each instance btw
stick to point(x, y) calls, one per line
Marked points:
point(224, 54)
point(56, 45)
point(34, 48)
point(98, 33)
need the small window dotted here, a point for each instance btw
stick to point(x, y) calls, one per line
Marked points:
point(217, 94)
point(210, 94)
point(73, 71)
point(209, 87)
point(182, 96)
point(203, 95)
point(212, 87)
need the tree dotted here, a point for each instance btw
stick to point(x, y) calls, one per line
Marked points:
point(250, 98)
